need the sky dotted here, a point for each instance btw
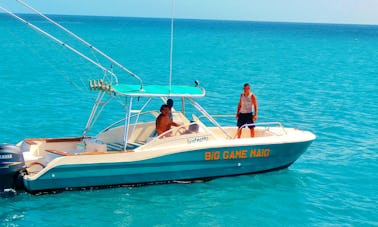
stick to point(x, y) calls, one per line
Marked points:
point(313, 11)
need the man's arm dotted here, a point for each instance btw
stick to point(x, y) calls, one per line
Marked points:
point(175, 124)
point(254, 102)
point(238, 110)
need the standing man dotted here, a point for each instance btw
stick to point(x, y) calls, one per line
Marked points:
point(247, 110)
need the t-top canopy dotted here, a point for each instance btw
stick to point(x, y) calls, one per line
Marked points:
point(158, 90)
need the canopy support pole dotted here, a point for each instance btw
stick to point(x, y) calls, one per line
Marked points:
point(127, 122)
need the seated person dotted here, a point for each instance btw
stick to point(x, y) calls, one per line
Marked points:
point(164, 121)
point(193, 128)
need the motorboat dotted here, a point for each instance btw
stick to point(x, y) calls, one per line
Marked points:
point(129, 152)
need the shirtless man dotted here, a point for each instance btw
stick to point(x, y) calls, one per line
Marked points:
point(164, 121)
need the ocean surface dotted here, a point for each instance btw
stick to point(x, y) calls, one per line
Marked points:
point(317, 77)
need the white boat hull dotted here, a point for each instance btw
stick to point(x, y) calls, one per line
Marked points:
point(168, 165)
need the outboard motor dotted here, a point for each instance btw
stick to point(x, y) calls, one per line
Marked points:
point(11, 164)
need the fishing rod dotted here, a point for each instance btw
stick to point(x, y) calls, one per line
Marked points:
point(60, 42)
point(83, 41)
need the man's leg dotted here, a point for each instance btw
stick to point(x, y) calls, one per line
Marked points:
point(252, 132)
point(239, 132)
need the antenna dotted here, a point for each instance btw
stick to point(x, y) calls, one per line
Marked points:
point(171, 51)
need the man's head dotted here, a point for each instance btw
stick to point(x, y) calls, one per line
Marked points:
point(164, 109)
point(247, 87)
point(170, 103)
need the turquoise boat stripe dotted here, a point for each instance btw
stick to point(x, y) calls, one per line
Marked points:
point(158, 90)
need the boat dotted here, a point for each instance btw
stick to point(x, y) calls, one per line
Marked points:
point(128, 151)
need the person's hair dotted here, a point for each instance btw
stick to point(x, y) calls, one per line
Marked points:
point(169, 103)
point(163, 106)
point(246, 84)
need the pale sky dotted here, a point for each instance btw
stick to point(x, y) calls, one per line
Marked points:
point(314, 11)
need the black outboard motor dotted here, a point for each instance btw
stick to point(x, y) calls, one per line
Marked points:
point(11, 164)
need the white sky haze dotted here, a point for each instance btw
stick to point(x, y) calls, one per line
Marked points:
point(314, 11)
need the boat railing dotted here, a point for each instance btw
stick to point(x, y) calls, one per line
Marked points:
point(268, 126)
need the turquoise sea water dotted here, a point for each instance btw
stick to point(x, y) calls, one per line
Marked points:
point(321, 78)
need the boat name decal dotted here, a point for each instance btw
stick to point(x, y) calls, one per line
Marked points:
point(237, 154)
point(6, 156)
point(197, 139)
